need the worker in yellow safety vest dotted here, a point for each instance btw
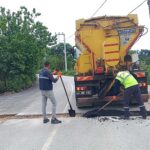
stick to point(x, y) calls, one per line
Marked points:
point(131, 89)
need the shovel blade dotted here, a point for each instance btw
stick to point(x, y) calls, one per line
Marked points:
point(72, 112)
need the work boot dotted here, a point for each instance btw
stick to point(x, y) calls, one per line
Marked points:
point(126, 113)
point(143, 112)
point(144, 117)
point(45, 120)
point(55, 121)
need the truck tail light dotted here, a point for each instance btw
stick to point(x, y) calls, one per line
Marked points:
point(143, 84)
point(81, 88)
point(78, 88)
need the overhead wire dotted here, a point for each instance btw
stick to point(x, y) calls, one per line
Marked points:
point(99, 8)
point(137, 7)
point(91, 16)
point(70, 36)
point(148, 1)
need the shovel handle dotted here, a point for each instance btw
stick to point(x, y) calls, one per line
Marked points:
point(105, 105)
point(65, 92)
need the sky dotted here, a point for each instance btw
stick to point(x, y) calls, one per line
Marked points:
point(60, 15)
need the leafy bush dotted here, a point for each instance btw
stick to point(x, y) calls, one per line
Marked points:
point(69, 73)
point(2, 87)
point(55, 55)
point(23, 43)
point(148, 78)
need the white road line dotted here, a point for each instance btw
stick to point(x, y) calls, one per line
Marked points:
point(52, 135)
point(50, 139)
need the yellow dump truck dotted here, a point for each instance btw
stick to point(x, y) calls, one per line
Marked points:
point(104, 43)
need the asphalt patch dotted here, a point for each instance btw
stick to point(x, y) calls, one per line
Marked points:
point(119, 113)
point(114, 119)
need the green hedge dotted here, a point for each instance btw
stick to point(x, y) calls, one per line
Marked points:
point(148, 77)
point(69, 72)
point(16, 83)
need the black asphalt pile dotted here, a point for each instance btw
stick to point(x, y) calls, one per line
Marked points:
point(103, 119)
point(119, 113)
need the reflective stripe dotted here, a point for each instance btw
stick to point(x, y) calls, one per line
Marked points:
point(42, 77)
point(142, 106)
point(126, 107)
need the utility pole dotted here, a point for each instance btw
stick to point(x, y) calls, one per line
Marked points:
point(65, 54)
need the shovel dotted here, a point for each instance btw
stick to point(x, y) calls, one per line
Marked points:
point(72, 112)
point(95, 112)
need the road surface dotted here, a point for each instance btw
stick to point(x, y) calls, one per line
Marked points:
point(29, 101)
point(74, 133)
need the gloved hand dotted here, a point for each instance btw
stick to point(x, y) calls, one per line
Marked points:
point(59, 74)
point(54, 72)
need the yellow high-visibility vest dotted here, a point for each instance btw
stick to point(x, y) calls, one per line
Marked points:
point(126, 79)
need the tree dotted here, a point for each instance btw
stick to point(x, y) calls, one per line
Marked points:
point(56, 56)
point(23, 43)
point(144, 58)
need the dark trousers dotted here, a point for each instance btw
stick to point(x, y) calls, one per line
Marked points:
point(133, 91)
